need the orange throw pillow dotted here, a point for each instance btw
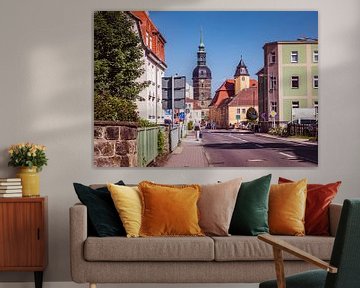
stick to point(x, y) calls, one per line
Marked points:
point(169, 210)
point(287, 204)
point(318, 200)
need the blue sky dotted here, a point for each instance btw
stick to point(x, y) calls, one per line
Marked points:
point(227, 36)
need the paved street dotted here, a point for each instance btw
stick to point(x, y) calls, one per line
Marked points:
point(226, 148)
point(234, 148)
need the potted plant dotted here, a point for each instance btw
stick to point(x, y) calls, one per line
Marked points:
point(30, 158)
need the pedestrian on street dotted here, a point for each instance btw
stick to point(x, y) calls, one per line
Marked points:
point(197, 130)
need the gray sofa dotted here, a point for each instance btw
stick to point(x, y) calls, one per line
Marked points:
point(234, 259)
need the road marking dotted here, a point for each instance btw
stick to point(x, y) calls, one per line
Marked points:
point(237, 138)
point(287, 155)
point(255, 160)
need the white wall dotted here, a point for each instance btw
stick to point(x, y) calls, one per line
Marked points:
point(46, 92)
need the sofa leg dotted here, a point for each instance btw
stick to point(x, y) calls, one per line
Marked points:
point(92, 285)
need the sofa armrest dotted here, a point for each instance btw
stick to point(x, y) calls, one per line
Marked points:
point(78, 235)
point(334, 217)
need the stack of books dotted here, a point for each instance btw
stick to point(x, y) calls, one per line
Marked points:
point(10, 187)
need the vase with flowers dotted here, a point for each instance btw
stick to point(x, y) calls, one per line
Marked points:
point(30, 158)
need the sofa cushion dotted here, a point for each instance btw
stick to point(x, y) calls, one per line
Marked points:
point(250, 215)
point(216, 206)
point(287, 204)
point(245, 248)
point(318, 199)
point(102, 216)
point(149, 249)
point(127, 201)
point(169, 210)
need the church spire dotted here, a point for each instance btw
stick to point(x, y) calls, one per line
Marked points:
point(201, 54)
point(201, 39)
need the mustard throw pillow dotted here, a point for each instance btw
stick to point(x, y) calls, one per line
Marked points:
point(169, 210)
point(287, 204)
point(127, 201)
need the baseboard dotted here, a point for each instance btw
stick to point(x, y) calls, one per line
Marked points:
point(74, 285)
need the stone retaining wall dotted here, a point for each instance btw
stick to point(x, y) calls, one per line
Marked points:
point(115, 144)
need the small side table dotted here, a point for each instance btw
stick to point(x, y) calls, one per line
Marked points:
point(23, 235)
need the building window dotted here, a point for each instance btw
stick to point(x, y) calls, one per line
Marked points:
point(316, 106)
point(150, 42)
point(315, 56)
point(272, 59)
point(295, 104)
point(238, 110)
point(294, 58)
point(315, 81)
point(243, 110)
point(272, 82)
point(147, 39)
point(274, 106)
point(295, 82)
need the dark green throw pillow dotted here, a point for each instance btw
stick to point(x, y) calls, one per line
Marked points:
point(103, 218)
point(250, 216)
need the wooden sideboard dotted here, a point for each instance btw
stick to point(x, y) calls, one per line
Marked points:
point(23, 235)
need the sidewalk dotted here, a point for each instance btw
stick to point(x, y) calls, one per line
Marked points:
point(293, 139)
point(189, 153)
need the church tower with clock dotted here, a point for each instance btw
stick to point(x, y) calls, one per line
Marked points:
point(202, 81)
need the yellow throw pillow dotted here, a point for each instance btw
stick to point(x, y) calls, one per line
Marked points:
point(127, 201)
point(169, 210)
point(287, 204)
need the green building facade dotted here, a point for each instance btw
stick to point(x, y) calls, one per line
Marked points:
point(291, 72)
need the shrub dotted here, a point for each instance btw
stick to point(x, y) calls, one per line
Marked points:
point(112, 108)
point(146, 123)
point(161, 141)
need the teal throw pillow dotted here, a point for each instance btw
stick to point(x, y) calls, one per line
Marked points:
point(250, 216)
point(103, 219)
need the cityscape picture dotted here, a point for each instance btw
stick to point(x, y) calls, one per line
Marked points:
point(204, 89)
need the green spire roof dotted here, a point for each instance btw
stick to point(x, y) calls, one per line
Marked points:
point(201, 39)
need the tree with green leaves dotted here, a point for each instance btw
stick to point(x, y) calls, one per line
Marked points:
point(252, 114)
point(117, 66)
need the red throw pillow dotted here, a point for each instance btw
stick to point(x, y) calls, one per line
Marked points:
point(319, 197)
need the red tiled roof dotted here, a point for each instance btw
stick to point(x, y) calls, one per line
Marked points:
point(225, 91)
point(253, 83)
point(246, 97)
point(146, 25)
